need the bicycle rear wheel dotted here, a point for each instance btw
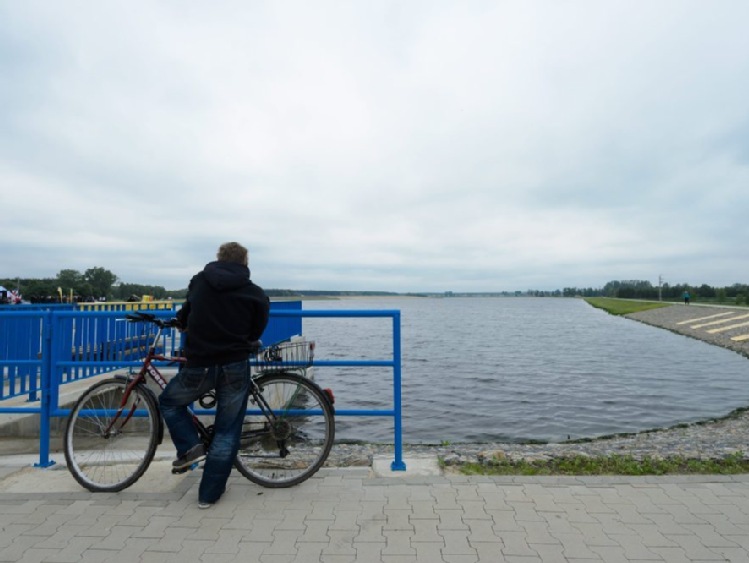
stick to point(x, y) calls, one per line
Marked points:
point(290, 447)
point(107, 452)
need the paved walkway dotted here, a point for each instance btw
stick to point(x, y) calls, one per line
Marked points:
point(353, 514)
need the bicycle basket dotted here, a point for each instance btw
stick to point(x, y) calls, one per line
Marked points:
point(285, 356)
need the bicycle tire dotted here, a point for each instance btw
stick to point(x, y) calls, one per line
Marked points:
point(110, 463)
point(304, 417)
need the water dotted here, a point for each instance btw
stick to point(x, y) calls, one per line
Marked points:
point(518, 369)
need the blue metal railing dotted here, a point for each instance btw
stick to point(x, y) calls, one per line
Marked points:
point(57, 362)
point(92, 339)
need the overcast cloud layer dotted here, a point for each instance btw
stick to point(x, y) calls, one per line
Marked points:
point(404, 146)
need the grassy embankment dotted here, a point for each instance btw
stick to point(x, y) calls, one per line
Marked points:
point(610, 465)
point(623, 306)
point(615, 464)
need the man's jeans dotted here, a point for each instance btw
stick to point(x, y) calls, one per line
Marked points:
point(231, 382)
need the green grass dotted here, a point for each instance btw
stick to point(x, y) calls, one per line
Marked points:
point(623, 306)
point(610, 465)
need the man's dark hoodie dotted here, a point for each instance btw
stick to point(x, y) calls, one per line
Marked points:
point(223, 314)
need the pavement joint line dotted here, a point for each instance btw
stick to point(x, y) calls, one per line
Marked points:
point(720, 321)
point(729, 327)
point(698, 319)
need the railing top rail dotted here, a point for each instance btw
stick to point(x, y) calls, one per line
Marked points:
point(114, 314)
point(170, 313)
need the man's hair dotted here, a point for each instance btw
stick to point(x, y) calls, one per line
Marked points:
point(232, 252)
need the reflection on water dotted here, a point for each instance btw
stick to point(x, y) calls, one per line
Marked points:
point(515, 369)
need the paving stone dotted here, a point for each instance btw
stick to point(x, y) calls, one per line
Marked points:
point(634, 548)
point(398, 543)
point(482, 531)
point(693, 547)
point(539, 533)
point(709, 537)
point(427, 531)
point(611, 554)
point(516, 543)
point(671, 554)
point(456, 543)
point(574, 546)
point(451, 520)
point(548, 553)
point(423, 510)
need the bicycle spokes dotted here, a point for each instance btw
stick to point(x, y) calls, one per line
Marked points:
point(290, 434)
point(105, 449)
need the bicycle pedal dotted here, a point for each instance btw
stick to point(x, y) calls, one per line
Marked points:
point(182, 470)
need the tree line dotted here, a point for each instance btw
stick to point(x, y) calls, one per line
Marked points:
point(95, 284)
point(737, 293)
point(98, 283)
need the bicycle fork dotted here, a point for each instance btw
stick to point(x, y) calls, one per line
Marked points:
point(108, 432)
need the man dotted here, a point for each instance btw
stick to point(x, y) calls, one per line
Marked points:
point(224, 313)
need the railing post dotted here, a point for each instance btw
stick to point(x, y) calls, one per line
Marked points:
point(398, 463)
point(45, 415)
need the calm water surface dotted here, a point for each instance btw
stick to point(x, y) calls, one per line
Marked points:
point(517, 369)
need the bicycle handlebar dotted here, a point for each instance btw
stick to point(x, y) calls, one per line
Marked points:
point(150, 318)
point(255, 345)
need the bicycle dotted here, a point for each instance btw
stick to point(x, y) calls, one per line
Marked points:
point(115, 426)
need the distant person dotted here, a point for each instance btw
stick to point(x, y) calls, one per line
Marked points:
point(686, 298)
point(223, 314)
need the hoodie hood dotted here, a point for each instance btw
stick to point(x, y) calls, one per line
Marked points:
point(226, 276)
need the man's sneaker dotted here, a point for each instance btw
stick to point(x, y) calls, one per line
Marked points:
point(193, 455)
point(204, 505)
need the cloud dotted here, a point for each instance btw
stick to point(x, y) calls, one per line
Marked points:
point(419, 146)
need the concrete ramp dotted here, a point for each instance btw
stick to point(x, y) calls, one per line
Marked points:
point(57, 479)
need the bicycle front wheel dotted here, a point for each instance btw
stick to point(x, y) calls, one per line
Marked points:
point(108, 448)
point(289, 446)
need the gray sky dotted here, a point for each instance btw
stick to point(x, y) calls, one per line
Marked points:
point(403, 146)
